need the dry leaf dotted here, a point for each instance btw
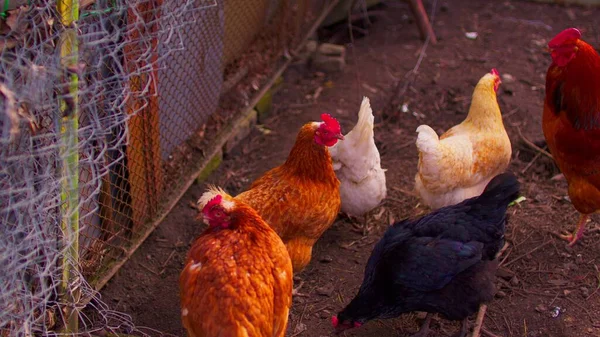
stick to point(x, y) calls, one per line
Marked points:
point(10, 110)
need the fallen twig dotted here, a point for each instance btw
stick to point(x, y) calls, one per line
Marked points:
point(405, 192)
point(532, 145)
point(582, 308)
point(411, 76)
point(488, 332)
point(598, 286)
point(510, 113)
point(537, 155)
point(505, 258)
point(529, 252)
point(300, 321)
point(406, 144)
point(164, 265)
point(148, 269)
point(534, 23)
point(507, 325)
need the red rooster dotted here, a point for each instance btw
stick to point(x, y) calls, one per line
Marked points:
point(571, 121)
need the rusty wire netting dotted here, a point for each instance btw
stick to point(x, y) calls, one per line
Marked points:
point(104, 117)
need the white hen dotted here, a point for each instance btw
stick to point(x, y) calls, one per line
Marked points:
point(357, 165)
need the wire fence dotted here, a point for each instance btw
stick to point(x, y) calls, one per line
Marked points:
point(106, 109)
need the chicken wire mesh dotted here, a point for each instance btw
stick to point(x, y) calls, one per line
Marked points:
point(107, 107)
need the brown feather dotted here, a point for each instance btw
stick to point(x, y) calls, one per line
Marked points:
point(299, 199)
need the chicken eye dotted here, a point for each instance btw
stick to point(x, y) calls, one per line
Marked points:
point(218, 213)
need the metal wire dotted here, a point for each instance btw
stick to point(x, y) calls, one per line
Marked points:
point(156, 82)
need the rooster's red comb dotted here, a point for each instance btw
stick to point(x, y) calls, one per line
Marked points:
point(495, 72)
point(212, 202)
point(568, 35)
point(332, 124)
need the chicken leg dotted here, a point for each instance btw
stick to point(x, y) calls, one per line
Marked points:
point(578, 233)
point(424, 330)
point(296, 291)
point(366, 228)
point(358, 225)
point(464, 325)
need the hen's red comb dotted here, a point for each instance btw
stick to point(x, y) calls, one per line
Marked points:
point(214, 201)
point(566, 36)
point(334, 321)
point(332, 124)
point(495, 72)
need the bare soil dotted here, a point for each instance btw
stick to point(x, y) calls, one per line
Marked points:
point(546, 288)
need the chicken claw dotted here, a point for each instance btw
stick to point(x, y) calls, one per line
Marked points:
point(366, 228)
point(569, 237)
point(424, 330)
point(295, 291)
point(578, 233)
point(360, 226)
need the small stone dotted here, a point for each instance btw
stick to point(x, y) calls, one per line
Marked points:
point(566, 292)
point(501, 294)
point(541, 308)
point(311, 46)
point(508, 78)
point(329, 63)
point(325, 290)
point(326, 259)
point(471, 35)
point(330, 49)
point(585, 291)
point(514, 281)
point(300, 327)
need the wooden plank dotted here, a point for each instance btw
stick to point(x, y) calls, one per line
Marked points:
point(143, 152)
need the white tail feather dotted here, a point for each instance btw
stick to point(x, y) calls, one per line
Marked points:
point(427, 139)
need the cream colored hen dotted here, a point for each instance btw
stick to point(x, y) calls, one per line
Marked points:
point(461, 162)
point(357, 165)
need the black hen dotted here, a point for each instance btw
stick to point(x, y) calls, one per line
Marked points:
point(444, 262)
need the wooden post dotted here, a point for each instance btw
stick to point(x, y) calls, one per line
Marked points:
point(69, 154)
point(422, 20)
point(143, 152)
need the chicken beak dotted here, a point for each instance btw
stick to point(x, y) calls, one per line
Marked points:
point(339, 136)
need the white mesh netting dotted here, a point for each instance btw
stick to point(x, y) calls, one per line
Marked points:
point(50, 179)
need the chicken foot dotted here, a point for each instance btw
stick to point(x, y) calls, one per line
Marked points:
point(424, 330)
point(578, 233)
point(464, 327)
point(358, 225)
point(296, 291)
point(361, 226)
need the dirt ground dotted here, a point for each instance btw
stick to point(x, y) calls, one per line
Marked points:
point(546, 288)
